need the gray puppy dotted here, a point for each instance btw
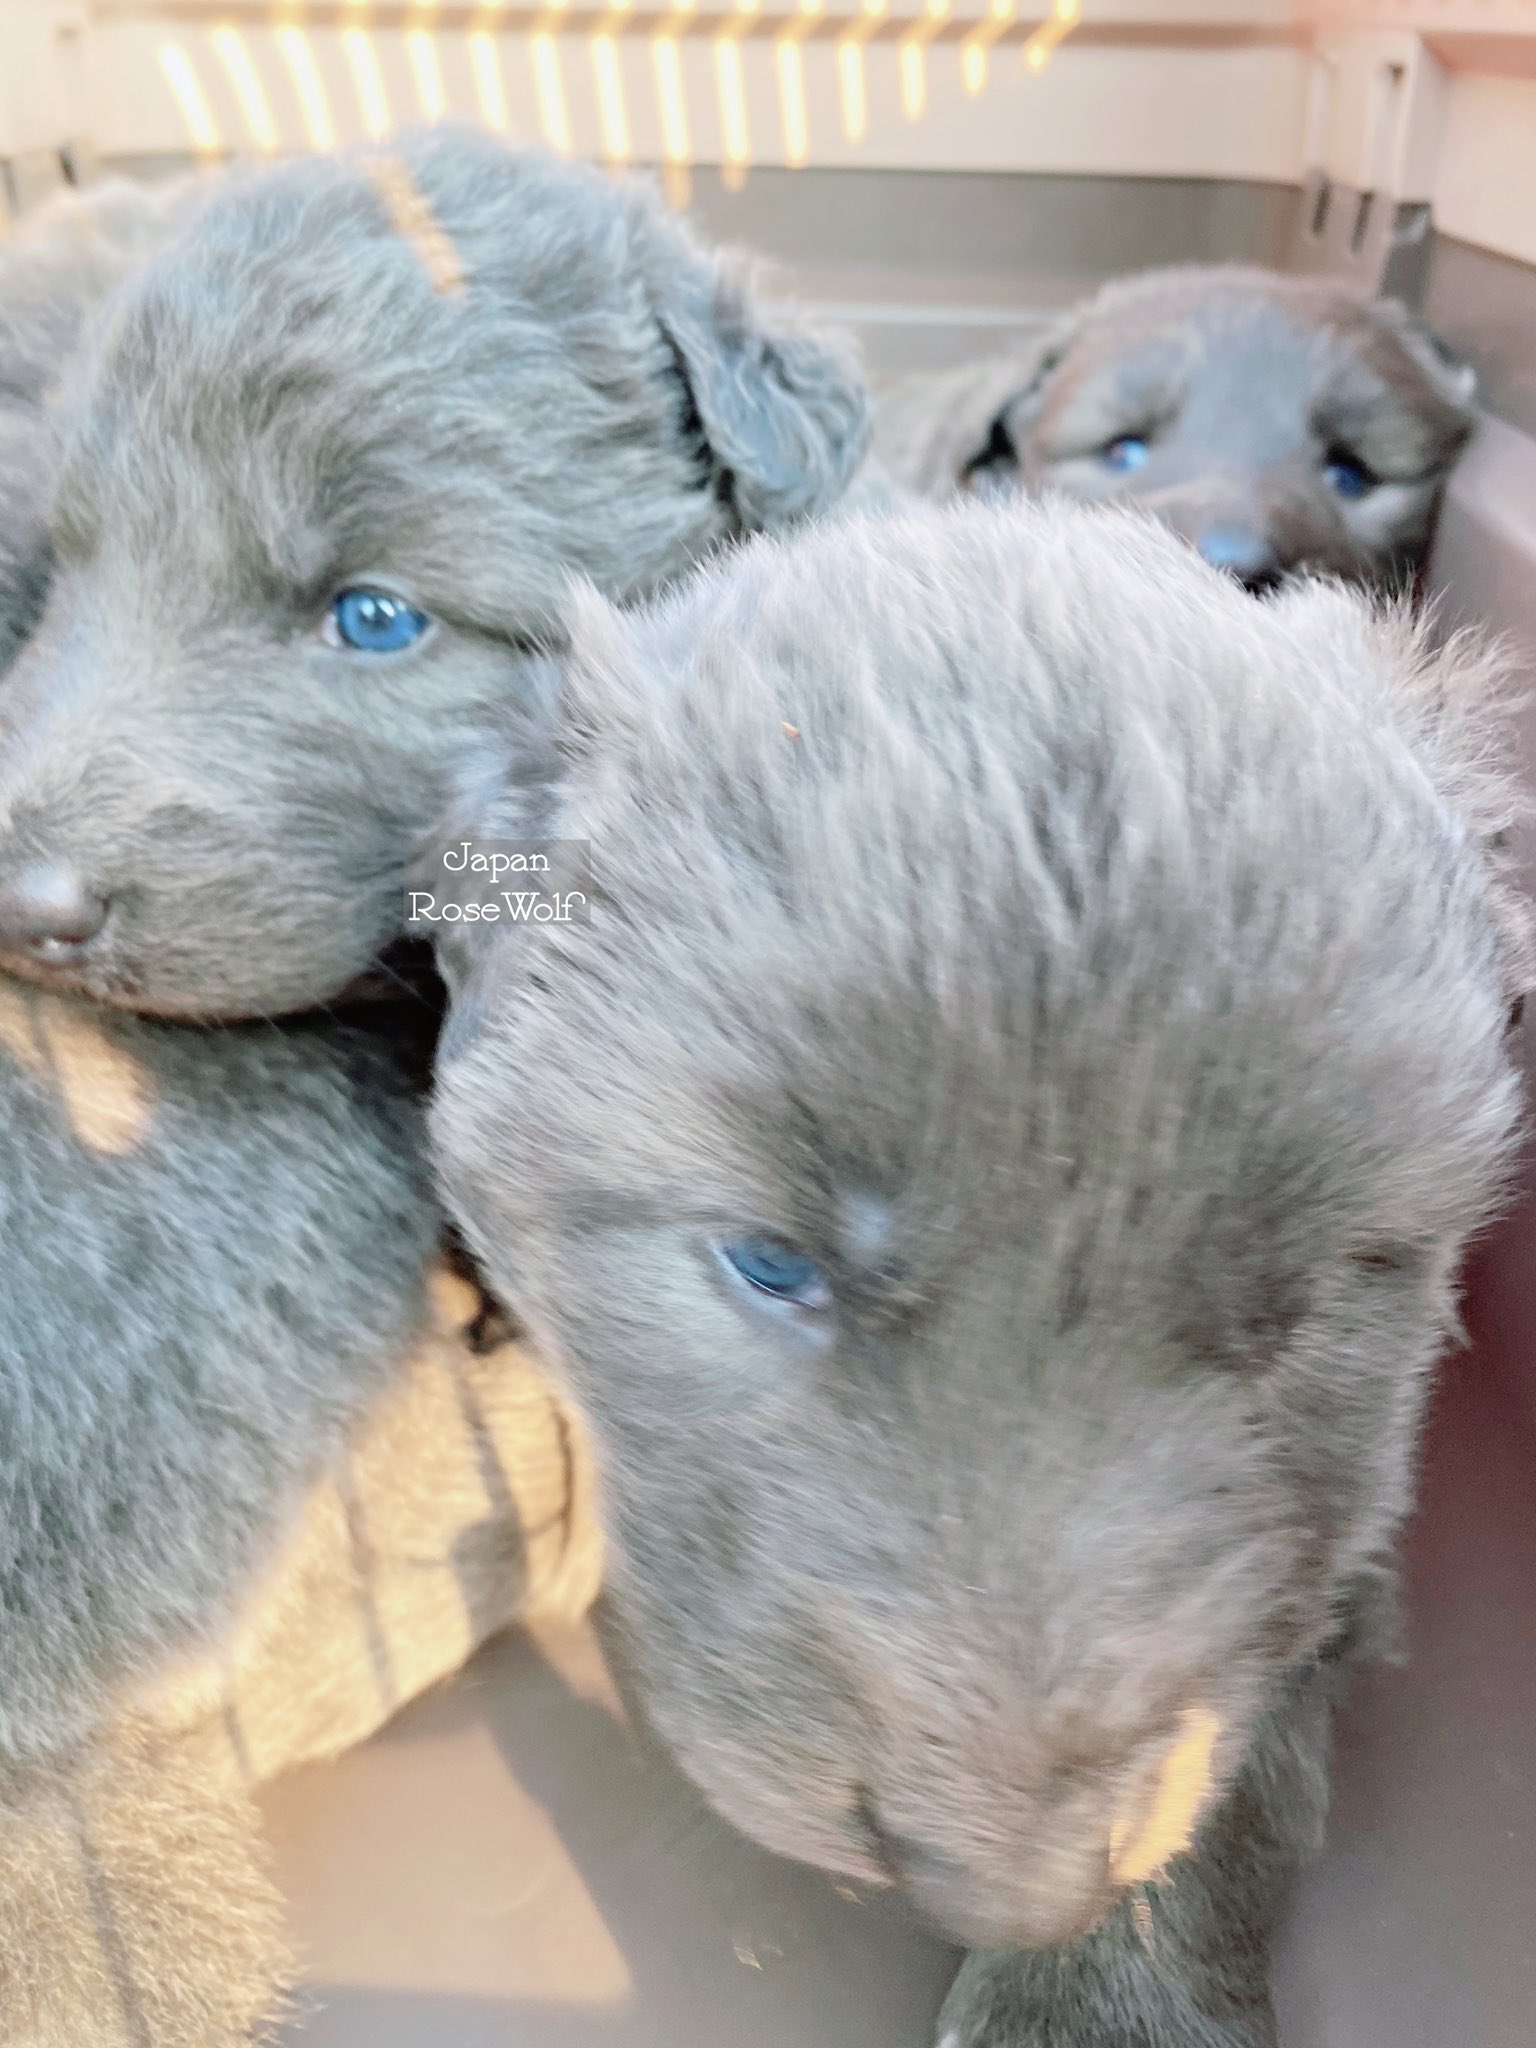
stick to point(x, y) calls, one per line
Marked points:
point(215, 1242)
point(324, 466)
point(1278, 423)
point(993, 1172)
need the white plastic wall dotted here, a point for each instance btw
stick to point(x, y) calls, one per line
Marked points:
point(1430, 101)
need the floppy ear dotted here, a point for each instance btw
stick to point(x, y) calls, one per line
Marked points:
point(782, 411)
point(1453, 379)
point(1454, 698)
point(1009, 427)
point(965, 430)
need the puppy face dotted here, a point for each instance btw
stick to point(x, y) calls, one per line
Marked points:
point(1277, 424)
point(989, 1172)
point(323, 470)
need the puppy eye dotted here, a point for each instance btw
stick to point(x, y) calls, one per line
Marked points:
point(372, 621)
point(773, 1267)
point(1126, 454)
point(1347, 475)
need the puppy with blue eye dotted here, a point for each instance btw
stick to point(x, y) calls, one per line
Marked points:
point(323, 466)
point(992, 1175)
point(1277, 423)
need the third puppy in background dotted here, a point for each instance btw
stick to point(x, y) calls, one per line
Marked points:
point(1277, 423)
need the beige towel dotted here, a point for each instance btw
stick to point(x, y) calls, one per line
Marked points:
point(135, 1906)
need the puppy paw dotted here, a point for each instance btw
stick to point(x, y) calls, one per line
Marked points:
point(1006, 1999)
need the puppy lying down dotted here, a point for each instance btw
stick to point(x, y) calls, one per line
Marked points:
point(1277, 423)
point(323, 467)
point(991, 1174)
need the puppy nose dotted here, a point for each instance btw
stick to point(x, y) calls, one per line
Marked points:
point(46, 911)
point(1242, 553)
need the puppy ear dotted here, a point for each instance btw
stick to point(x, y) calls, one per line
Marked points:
point(1454, 699)
point(967, 429)
point(1454, 380)
point(781, 410)
point(1009, 427)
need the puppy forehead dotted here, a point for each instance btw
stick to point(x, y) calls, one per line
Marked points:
point(1242, 363)
point(322, 306)
point(864, 1222)
point(1107, 382)
point(1258, 382)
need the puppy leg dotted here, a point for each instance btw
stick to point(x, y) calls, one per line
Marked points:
point(1185, 1963)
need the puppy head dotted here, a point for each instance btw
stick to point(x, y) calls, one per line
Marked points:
point(324, 467)
point(1275, 423)
point(990, 1173)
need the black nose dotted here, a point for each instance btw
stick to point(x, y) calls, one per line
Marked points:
point(1242, 553)
point(47, 912)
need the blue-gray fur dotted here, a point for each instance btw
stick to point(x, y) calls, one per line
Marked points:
point(67, 258)
point(191, 1323)
point(1244, 385)
point(295, 395)
point(1102, 977)
point(214, 1242)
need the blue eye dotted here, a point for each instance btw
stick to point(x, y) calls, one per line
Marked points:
point(1125, 455)
point(1349, 478)
point(776, 1268)
point(373, 621)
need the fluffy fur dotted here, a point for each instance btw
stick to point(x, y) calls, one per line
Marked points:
point(454, 371)
point(1102, 979)
point(259, 1482)
point(215, 1249)
point(69, 256)
point(457, 371)
point(1245, 386)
